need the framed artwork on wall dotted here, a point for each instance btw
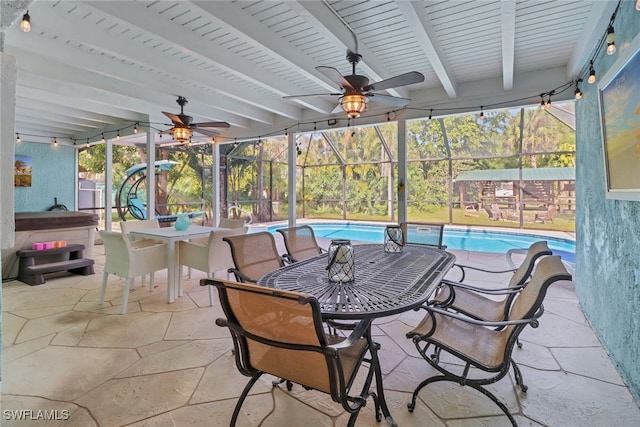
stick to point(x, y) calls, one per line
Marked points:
point(619, 96)
point(22, 171)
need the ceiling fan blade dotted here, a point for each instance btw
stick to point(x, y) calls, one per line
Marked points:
point(394, 101)
point(174, 118)
point(311, 94)
point(207, 132)
point(397, 81)
point(211, 125)
point(335, 76)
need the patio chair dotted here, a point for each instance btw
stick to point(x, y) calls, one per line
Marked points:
point(484, 345)
point(423, 233)
point(300, 243)
point(483, 303)
point(232, 223)
point(280, 333)
point(212, 256)
point(128, 262)
point(543, 217)
point(494, 212)
point(254, 255)
point(128, 226)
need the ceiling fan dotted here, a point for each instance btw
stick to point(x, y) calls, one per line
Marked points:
point(356, 89)
point(183, 125)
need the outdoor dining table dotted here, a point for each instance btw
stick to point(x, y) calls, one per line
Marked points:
point(172, 236)
point(385, 284)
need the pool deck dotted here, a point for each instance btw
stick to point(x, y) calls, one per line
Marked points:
point(170, 365)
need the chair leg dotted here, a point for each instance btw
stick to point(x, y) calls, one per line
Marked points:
point(243, 396)
point(518, 374)
point(103, 288)
point(125, 295)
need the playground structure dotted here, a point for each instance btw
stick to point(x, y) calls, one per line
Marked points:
point(131, 197)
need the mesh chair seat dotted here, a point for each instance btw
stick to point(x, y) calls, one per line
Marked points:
point(254, 255)
point(481, 344)
point(281, 333)
point(300, 243)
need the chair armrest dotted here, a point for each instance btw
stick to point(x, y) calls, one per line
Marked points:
point(462, 268)
point(359, 331)
point(499, 324)
point(493, 291)
point(241, 276)
point(288, 259)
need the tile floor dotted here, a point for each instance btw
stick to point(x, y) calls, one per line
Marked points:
point(170, 365)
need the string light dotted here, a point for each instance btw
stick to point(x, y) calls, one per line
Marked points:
point(25, 24)
point(578, 92)
point(430, 113)
point(88, 143)
point(55, 141)
point(118, 134)
point(135, 128)
point(611, 41)
point(592, 73)
point(547, 106)
point(542, 100)
point(481, 113)
point(103, 140)
point(18, 139)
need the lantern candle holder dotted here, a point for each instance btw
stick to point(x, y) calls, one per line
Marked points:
point(341, 261)
point(393, 239)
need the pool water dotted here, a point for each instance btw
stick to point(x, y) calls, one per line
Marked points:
point(470, 240)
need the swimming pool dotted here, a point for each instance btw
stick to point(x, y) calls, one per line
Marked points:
point(463, 239)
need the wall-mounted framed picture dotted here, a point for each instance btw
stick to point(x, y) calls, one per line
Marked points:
point(23, 167)
point(619, 96)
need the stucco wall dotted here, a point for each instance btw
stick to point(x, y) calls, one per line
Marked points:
point(608, 231)
point(53, 171)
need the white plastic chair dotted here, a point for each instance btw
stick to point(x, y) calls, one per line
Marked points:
point(209, 257)
point(129, 226)
point(126, 261)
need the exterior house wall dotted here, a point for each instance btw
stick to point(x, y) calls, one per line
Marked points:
point(608, 231)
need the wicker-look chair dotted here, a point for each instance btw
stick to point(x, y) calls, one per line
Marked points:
point(486, 346)
point(209, 256)
point(300, 243)
point(423, 233)
point(254, 255)
point(128, 262)
point(483, 303)
point(280, 333)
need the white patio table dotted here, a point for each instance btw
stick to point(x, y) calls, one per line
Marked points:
point(172, 237)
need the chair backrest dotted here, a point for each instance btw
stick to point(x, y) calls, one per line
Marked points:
point(231, 223)
point(423, 233)
point(528, 301)
point(219, 252)
point(117, 251)
point(277, 332)
point(300, 242)
point(137, 208)
point(551, 211)
point(254, 254)
point(522, 274)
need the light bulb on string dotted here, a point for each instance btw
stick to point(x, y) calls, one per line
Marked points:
point(542, 101)
point(103, 139)
point(118, 134)
point(611, 41)
point(592, 73)
point(481, 113)
point(18, 139)
point(135, 128)
point(25, 24)
point(55, 141)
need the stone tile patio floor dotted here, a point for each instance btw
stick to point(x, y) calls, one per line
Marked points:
point(170, 365)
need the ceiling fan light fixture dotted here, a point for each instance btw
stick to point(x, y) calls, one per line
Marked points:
point(25, 24)
point(354, 104)
point(182, 134)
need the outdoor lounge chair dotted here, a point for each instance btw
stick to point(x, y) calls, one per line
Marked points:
point(300, 243)
point(423, 233)
point(483, 303)
point(254, 255)
point(281, 333)
point(494, 212)
point(486, 346)
point(543, 217)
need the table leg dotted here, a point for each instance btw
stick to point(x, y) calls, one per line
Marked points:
point(379, 388)
point(171, 273)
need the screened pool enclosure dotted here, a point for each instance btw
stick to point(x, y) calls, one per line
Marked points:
point(509, 168)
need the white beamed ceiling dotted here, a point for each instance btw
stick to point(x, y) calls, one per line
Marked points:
point(96, 66)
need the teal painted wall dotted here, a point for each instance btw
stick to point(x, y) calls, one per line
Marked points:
point(608, 231)
point(53, 176)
